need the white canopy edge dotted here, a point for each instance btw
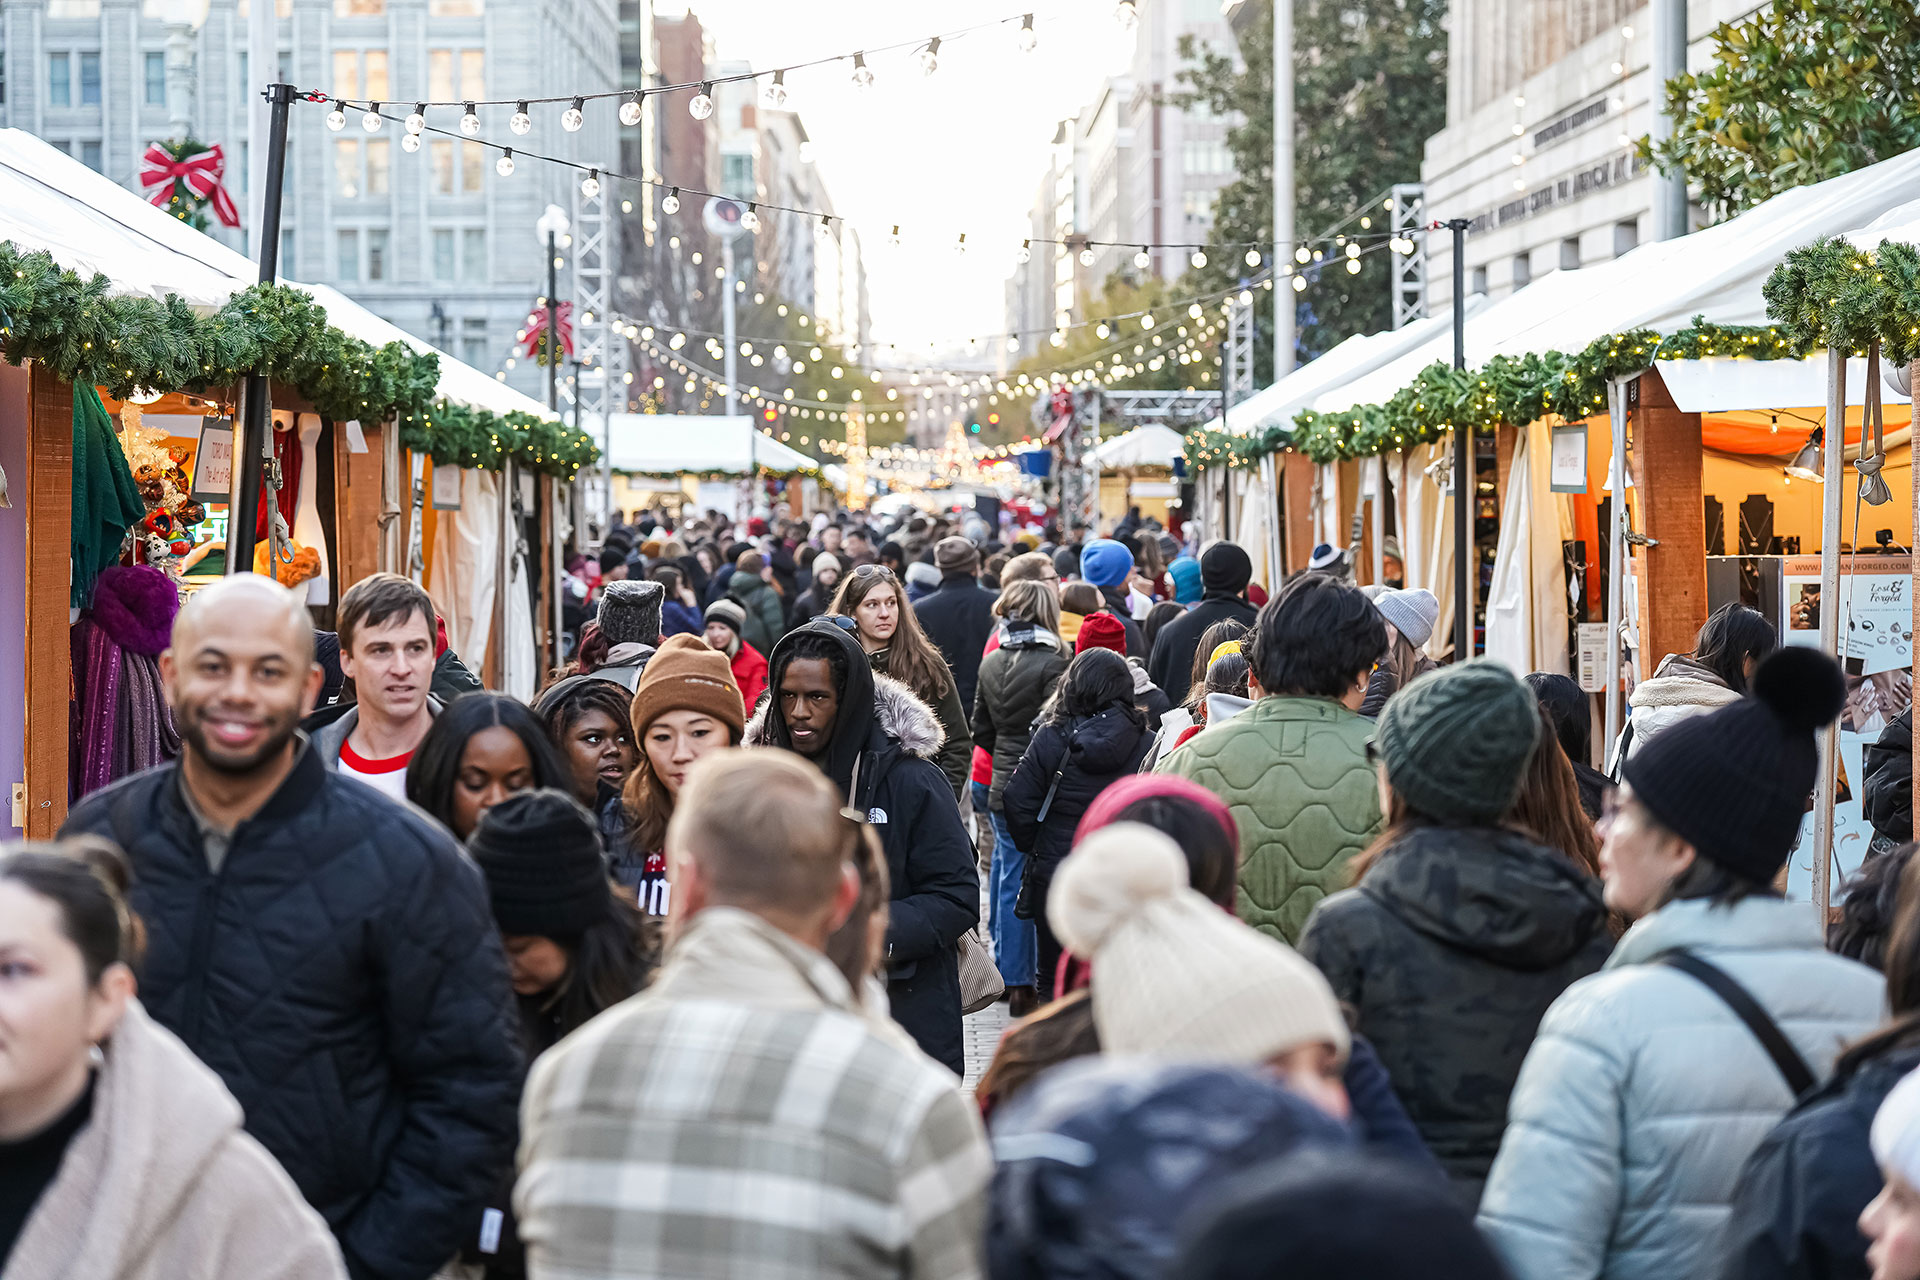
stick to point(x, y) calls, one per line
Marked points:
point(1727, 386)
point(660, 443)
point(1151, 445)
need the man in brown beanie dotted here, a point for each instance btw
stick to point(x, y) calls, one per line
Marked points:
point(958, 615)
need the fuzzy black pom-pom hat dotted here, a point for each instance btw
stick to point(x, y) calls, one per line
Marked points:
point(1734, 783)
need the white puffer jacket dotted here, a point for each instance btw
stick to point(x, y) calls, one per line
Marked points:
point(1643, 1093)
point(1680, 688)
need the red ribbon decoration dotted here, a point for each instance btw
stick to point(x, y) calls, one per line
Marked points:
point(199, 173)
point(537, 328)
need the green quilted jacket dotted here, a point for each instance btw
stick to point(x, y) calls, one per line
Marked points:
point(1294, 772)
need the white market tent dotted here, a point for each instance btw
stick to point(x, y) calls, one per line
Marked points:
point(1716, 272)
point(50, 201)
point(712, 444)
point(1150, 446)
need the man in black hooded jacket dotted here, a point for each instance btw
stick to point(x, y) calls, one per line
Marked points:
point(1225, 570)
point(876, 741)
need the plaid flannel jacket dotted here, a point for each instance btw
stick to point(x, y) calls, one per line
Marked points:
point(743, 1119)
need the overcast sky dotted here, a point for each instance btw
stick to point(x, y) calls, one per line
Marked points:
point(963, 150)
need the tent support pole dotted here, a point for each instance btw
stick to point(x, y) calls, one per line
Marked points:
point(1270, 481)
point(1835, 472)
point(1913, 448)
point(1380, 519)
point(256, 440)
point(1465, 489)
point(1616, 555)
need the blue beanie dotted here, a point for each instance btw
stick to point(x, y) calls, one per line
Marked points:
point(1185, 573)
point(1105, 563)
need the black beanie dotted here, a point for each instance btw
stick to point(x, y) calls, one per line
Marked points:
point(1734, 783)
point(1225, 568)
point(546, 874)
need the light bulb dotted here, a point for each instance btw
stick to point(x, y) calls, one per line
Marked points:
point(1026, 40)
point(1058, 339)
point(1013, 344)
point(1518, 159)
point(1301, 254)
point(893, 237)
point(929, 58)
point(371, 121)
point(469, 122)
point(521, 123)
point(824, 231)
point(750, 220)
point(1253, 257)
point(590, 185)
point(1142, 260)
point(1299, 284)
point(418, 120)
point(1199, 258)
point(1353, 251)
point(630, 110)
point(775, 94)
point(1618, 67)
point(1146, 321)
point(1086, 257)
point(671, 205)
point(862, 73)
point(504, 165)
point(1519, 100)
point(409, 142)
point(574, 116)
point(1127, 14)
point(1196, 311)
point(1024, 253)
point(960, 245)
point(1353, 266)
point(1101, 331)
point(701, 104)
point(336, 119)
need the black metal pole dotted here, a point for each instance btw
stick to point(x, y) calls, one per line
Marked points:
point(576, 366)
point(257, 424)
point(1465, 491)
point(553, 323)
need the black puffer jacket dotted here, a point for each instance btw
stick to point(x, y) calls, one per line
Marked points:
point(1015, 681)
point(930, 862)
point(1451, 948)
point(1796, 1208)
point(958, 618)
point(1098, 751)
point(1887, 791)
point(342, 975)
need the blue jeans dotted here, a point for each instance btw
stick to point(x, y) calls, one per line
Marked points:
point(1013, 939)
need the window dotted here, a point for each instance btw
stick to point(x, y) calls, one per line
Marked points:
point(284, 64)
point(379, 165)
point(455, 8)
point(377, 254)
point(90, 155)
point(1570, 254)
point(440, 75)
point(736, 175)
point(473, 166)
point(346, 73)
point(442, 152)
point(359, 8)
point(286, 251)
point(473, 71)
point(156, 74)
point(473, 342)
point(1626, 236)
point(1522, 271)
point(346, 255)
point(59, 80)
point(1205, 157)
point(473, 254)
point(89, 79)
point(443, 268)
point(245, 84)
point(377, 75)
point(1197, 205)
point(1479, 280)
point(346, 168)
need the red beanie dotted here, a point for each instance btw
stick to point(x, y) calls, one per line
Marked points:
point(1101, 631)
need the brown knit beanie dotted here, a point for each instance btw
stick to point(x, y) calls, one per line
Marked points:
point(688, 674)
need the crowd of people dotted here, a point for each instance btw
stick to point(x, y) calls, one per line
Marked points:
point(1322, 958)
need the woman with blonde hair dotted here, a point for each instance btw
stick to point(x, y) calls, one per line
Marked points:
point(873, 601)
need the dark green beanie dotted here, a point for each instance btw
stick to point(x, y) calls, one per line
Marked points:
point(1456, 742)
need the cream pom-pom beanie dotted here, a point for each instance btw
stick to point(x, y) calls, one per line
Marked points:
point(1174, 975)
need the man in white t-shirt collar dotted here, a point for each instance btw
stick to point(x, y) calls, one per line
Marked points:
point(387, 649)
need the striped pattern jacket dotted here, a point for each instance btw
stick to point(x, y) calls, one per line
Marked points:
point(744, 1117)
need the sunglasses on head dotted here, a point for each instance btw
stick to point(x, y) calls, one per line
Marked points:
point(839, 620)
point(873, 571)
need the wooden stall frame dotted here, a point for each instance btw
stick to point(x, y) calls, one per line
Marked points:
point(48, 491)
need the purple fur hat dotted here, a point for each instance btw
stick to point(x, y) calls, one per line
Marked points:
point(136, 606)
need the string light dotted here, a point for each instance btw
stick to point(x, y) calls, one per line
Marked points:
point(336, 119)
point(929, 57)
point(590, 185)
point(824, 231)
point(893, 237)
point(1024, 254)
point(630, 110)
point(862, 73)
point(409, 142)
point(521, 123)
point(371, 120)
point(504, 165)
point(1027, 40)
point(418, 119)
point(1253, 257)
point(775, 94)
point(960, 245)
point(1199, 258)
point(469, 122)
point(750, 220)
point(1127, 14)
point(573, 117)
point(1086, 257)
point(700, 106)
point(1142, 260)
point(671, 205)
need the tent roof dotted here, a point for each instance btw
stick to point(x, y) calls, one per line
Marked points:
point(661, 443)
point(52, 202)
point(1149, 446)
point(1716, 272)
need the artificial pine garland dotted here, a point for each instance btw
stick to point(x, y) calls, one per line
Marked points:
point(86, 337)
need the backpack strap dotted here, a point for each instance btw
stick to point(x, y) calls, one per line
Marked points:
point(1793, 1068)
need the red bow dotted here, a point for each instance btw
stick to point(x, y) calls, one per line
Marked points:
point(200, 174)
point(537, 327)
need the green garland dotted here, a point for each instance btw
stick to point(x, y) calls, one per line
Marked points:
point(1507, 389)
point(86, 337)
point(1831, 294)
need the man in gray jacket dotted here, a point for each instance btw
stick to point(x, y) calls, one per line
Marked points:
point(387, 650)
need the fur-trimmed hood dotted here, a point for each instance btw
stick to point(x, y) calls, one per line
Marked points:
point(901, 715)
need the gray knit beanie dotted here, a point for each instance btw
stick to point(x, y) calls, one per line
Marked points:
point(1456, 742)
point(630, 611)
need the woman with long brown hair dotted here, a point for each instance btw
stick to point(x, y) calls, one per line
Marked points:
point(889, 633)
point(1549, 802)
point(687, 706)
